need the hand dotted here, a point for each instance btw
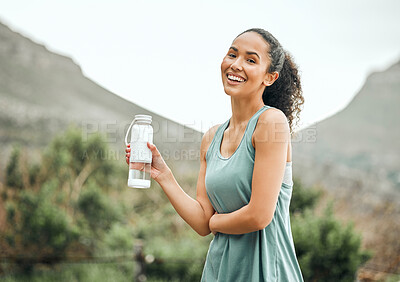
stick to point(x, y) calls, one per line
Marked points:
point(127, 153)
point(211, 224)
point(158, 166)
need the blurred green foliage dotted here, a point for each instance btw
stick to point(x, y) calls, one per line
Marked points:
point(97, 209)
point(74, 202)
point(326, 249)
point(179, 252)
point(77, 272)
point(60, 206)
point(14, 176)
point(39, 227)
point(303, 198)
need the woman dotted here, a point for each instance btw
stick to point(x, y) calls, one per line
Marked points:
point(245, 183)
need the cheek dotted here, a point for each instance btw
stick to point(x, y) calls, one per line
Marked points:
point(225, 64)
point(256, 73)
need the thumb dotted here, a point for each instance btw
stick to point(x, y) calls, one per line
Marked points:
point(153, 149)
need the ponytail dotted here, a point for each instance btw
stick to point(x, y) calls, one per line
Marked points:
point(286, 93)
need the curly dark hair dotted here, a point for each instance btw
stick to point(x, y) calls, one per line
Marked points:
point(285, 93)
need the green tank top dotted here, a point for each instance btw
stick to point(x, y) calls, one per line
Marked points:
point(264, 255)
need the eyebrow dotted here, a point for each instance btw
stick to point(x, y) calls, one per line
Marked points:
point(248, 52)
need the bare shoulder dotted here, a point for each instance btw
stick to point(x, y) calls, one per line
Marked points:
point(272, 123)
point(273, 116)
point(207, 138)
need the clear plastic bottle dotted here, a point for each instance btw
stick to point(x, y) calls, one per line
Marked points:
point(140, 159)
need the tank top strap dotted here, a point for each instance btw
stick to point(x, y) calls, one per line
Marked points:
point(251, 126)
point(213, 147)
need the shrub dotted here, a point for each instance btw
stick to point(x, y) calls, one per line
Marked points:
point(61, 204)
point(39, 231)
point(326, 250)
point(303, 198)
point(13, 170)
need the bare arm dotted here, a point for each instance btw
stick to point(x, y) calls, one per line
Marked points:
point(271, 139)
point(196, 212)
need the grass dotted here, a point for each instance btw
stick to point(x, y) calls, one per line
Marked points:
point(76, 272)
point(393, 278)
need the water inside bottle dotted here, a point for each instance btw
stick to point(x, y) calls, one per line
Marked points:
point(139, 175)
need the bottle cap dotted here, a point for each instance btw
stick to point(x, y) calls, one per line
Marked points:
point(143, 118)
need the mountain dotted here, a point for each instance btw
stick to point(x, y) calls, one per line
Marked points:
point(360, 142)
point(354, 156)
point(42, 93)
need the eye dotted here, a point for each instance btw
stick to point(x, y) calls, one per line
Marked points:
point(251, 61)
point(231, 55)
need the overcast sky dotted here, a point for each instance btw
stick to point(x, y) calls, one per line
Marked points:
point(165, 55)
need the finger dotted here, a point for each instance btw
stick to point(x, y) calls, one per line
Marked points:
point(153, 149)
point(137, 166)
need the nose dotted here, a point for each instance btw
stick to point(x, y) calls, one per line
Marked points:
point(237, 65)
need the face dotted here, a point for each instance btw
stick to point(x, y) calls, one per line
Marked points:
point(244, 68)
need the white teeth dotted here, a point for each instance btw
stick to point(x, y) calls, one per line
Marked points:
point(232, 77)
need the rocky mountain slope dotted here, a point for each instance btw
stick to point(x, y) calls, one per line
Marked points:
point(361, 142)
point(42, 93)
point(354, 156)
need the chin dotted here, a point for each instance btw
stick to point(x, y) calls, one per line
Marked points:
point(232, 92)
point(228, 92)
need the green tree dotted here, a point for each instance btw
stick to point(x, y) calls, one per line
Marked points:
point(326, 250)
point(61, 202)
point(13, 170)
point(303, 198)
point(73, 160)
point(38, 230)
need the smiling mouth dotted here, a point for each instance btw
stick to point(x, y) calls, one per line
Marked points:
point(235, 78)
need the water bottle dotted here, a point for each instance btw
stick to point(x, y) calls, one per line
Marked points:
point(140, 159)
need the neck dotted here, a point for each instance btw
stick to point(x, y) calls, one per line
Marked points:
point(243, 110)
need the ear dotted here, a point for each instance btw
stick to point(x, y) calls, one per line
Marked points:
point(270, 78)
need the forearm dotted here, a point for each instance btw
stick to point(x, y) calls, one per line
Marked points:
point(188, 208)
point(243, 220)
